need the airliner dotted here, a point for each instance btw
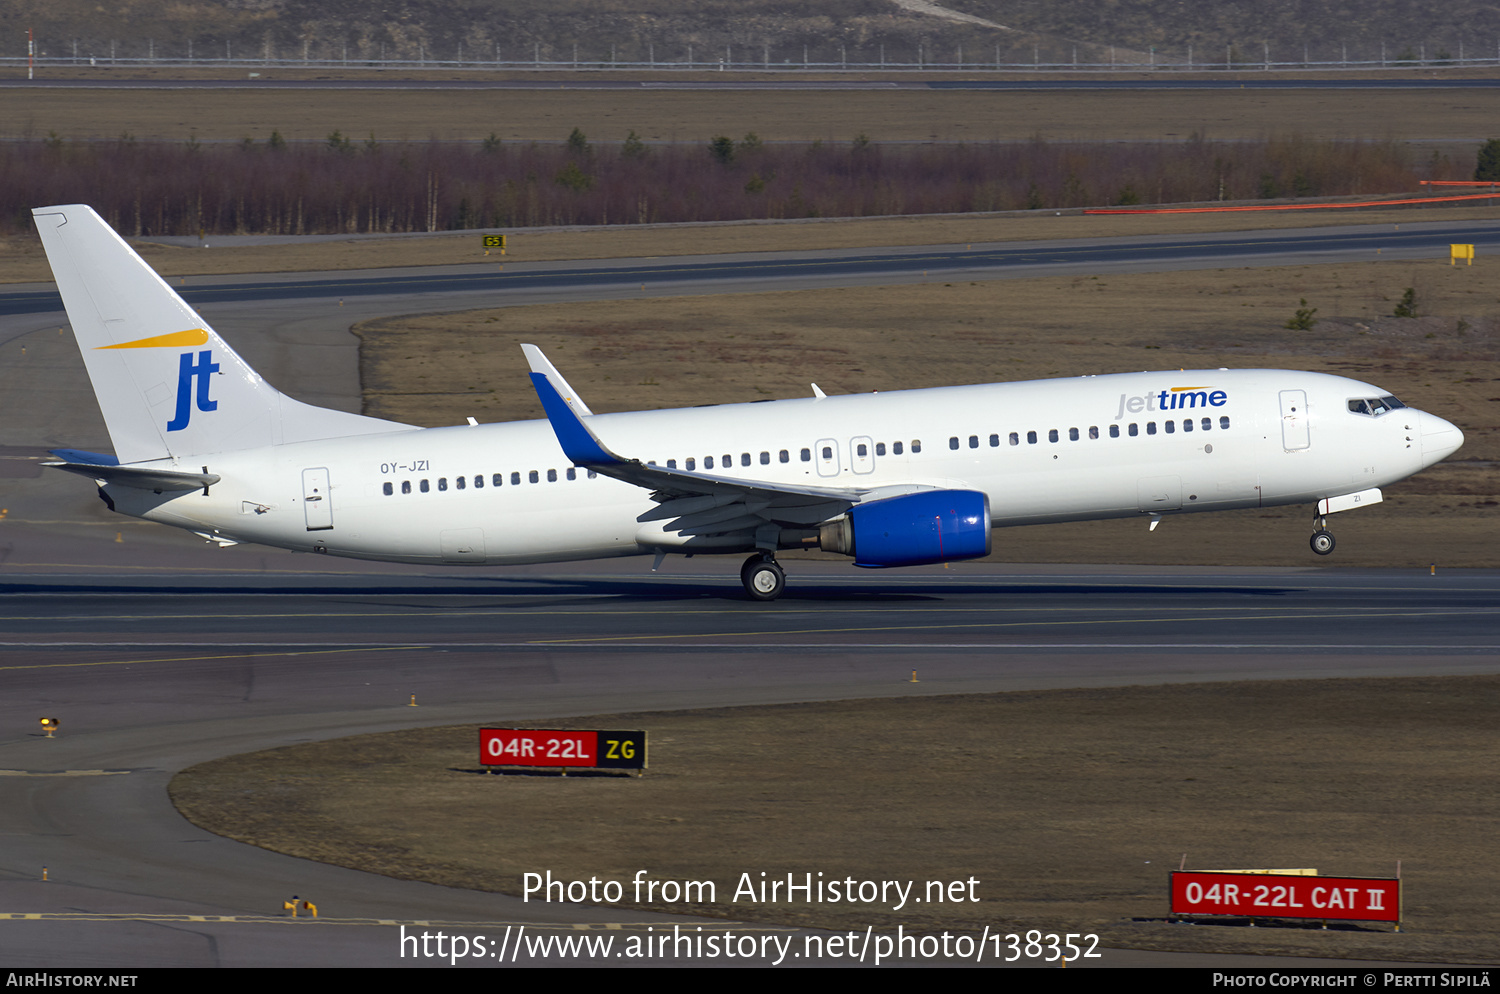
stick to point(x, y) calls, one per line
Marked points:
point(900, 478)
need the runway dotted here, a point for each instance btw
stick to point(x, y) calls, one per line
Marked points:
point(501, 282)
point(157, 652)
point(958, 610)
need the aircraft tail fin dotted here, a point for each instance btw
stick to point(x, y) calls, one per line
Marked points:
point(167, 384)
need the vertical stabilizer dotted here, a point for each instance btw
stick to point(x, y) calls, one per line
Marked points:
point(167, 384)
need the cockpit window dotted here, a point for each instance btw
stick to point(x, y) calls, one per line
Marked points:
point(1374, 407)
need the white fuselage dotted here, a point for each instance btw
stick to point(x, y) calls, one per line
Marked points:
point(1043, 451)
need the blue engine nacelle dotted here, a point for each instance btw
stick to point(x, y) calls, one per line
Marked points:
point(932, 526)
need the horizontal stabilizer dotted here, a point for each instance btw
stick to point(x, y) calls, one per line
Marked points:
point(140, 477)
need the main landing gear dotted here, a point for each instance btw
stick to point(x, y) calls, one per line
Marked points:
point(763, 577)
point(1322, 539)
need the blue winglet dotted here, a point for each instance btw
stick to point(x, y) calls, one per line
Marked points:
point(578, 443)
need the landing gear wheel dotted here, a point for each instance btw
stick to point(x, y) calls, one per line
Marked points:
point(763, 578)
point(1321, 542)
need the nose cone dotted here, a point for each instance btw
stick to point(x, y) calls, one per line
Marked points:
point(1440, 439)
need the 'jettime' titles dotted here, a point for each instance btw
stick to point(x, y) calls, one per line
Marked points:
point(1175, 399)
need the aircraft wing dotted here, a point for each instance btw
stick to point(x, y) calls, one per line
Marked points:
point(700, 502)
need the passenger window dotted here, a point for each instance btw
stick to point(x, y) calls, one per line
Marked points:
point(497, 480)
point(515, 479)
point(1114, 431)
point(784, 456)
point(728, 461)
point(1151, 427)
point(1171, 426)
point(994, 441)
point(551, 476)
point(1093, 431)
point(592, 474)
point(827, 452)
point(1072, 434)
point(1224, 423)
point(895, 448)
point(459, 483)
point(765, 458)
point(1015, 438)
point(388, 489)
point(863, 450)
point(953, 442)
point(572, 472)
point(1187, 424)
point(1135, 429)
point(406, 486)
point(880, 448)
point(708, 462)
point(973, 441)
point(916, 446)
point(442, 483)
point(1031, 438)
point(1208, 423)
point(1052, 435)
point(744, 458)
point(692, 464)
point(534, 476)
point(479, 482)
point(807, 455)
point(423, 486)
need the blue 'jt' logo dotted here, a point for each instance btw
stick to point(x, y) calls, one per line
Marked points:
point(187, 370)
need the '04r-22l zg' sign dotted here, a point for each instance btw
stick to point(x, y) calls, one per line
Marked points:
point(572, 748)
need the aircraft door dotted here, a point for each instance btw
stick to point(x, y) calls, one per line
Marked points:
point(862, 454)
point(316, 504)
point(828, 457)
point(1294, 427)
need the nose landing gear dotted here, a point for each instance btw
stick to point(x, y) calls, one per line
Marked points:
point(1322, 539)
point(763, 577)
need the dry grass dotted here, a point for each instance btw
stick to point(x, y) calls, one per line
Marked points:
point(1069, 807)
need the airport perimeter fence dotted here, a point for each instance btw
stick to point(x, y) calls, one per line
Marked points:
point(766, 58)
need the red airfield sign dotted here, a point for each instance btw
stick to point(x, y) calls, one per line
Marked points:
point(1270, 895)
point(574, 748)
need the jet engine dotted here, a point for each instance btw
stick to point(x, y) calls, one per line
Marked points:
point(931, 526)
